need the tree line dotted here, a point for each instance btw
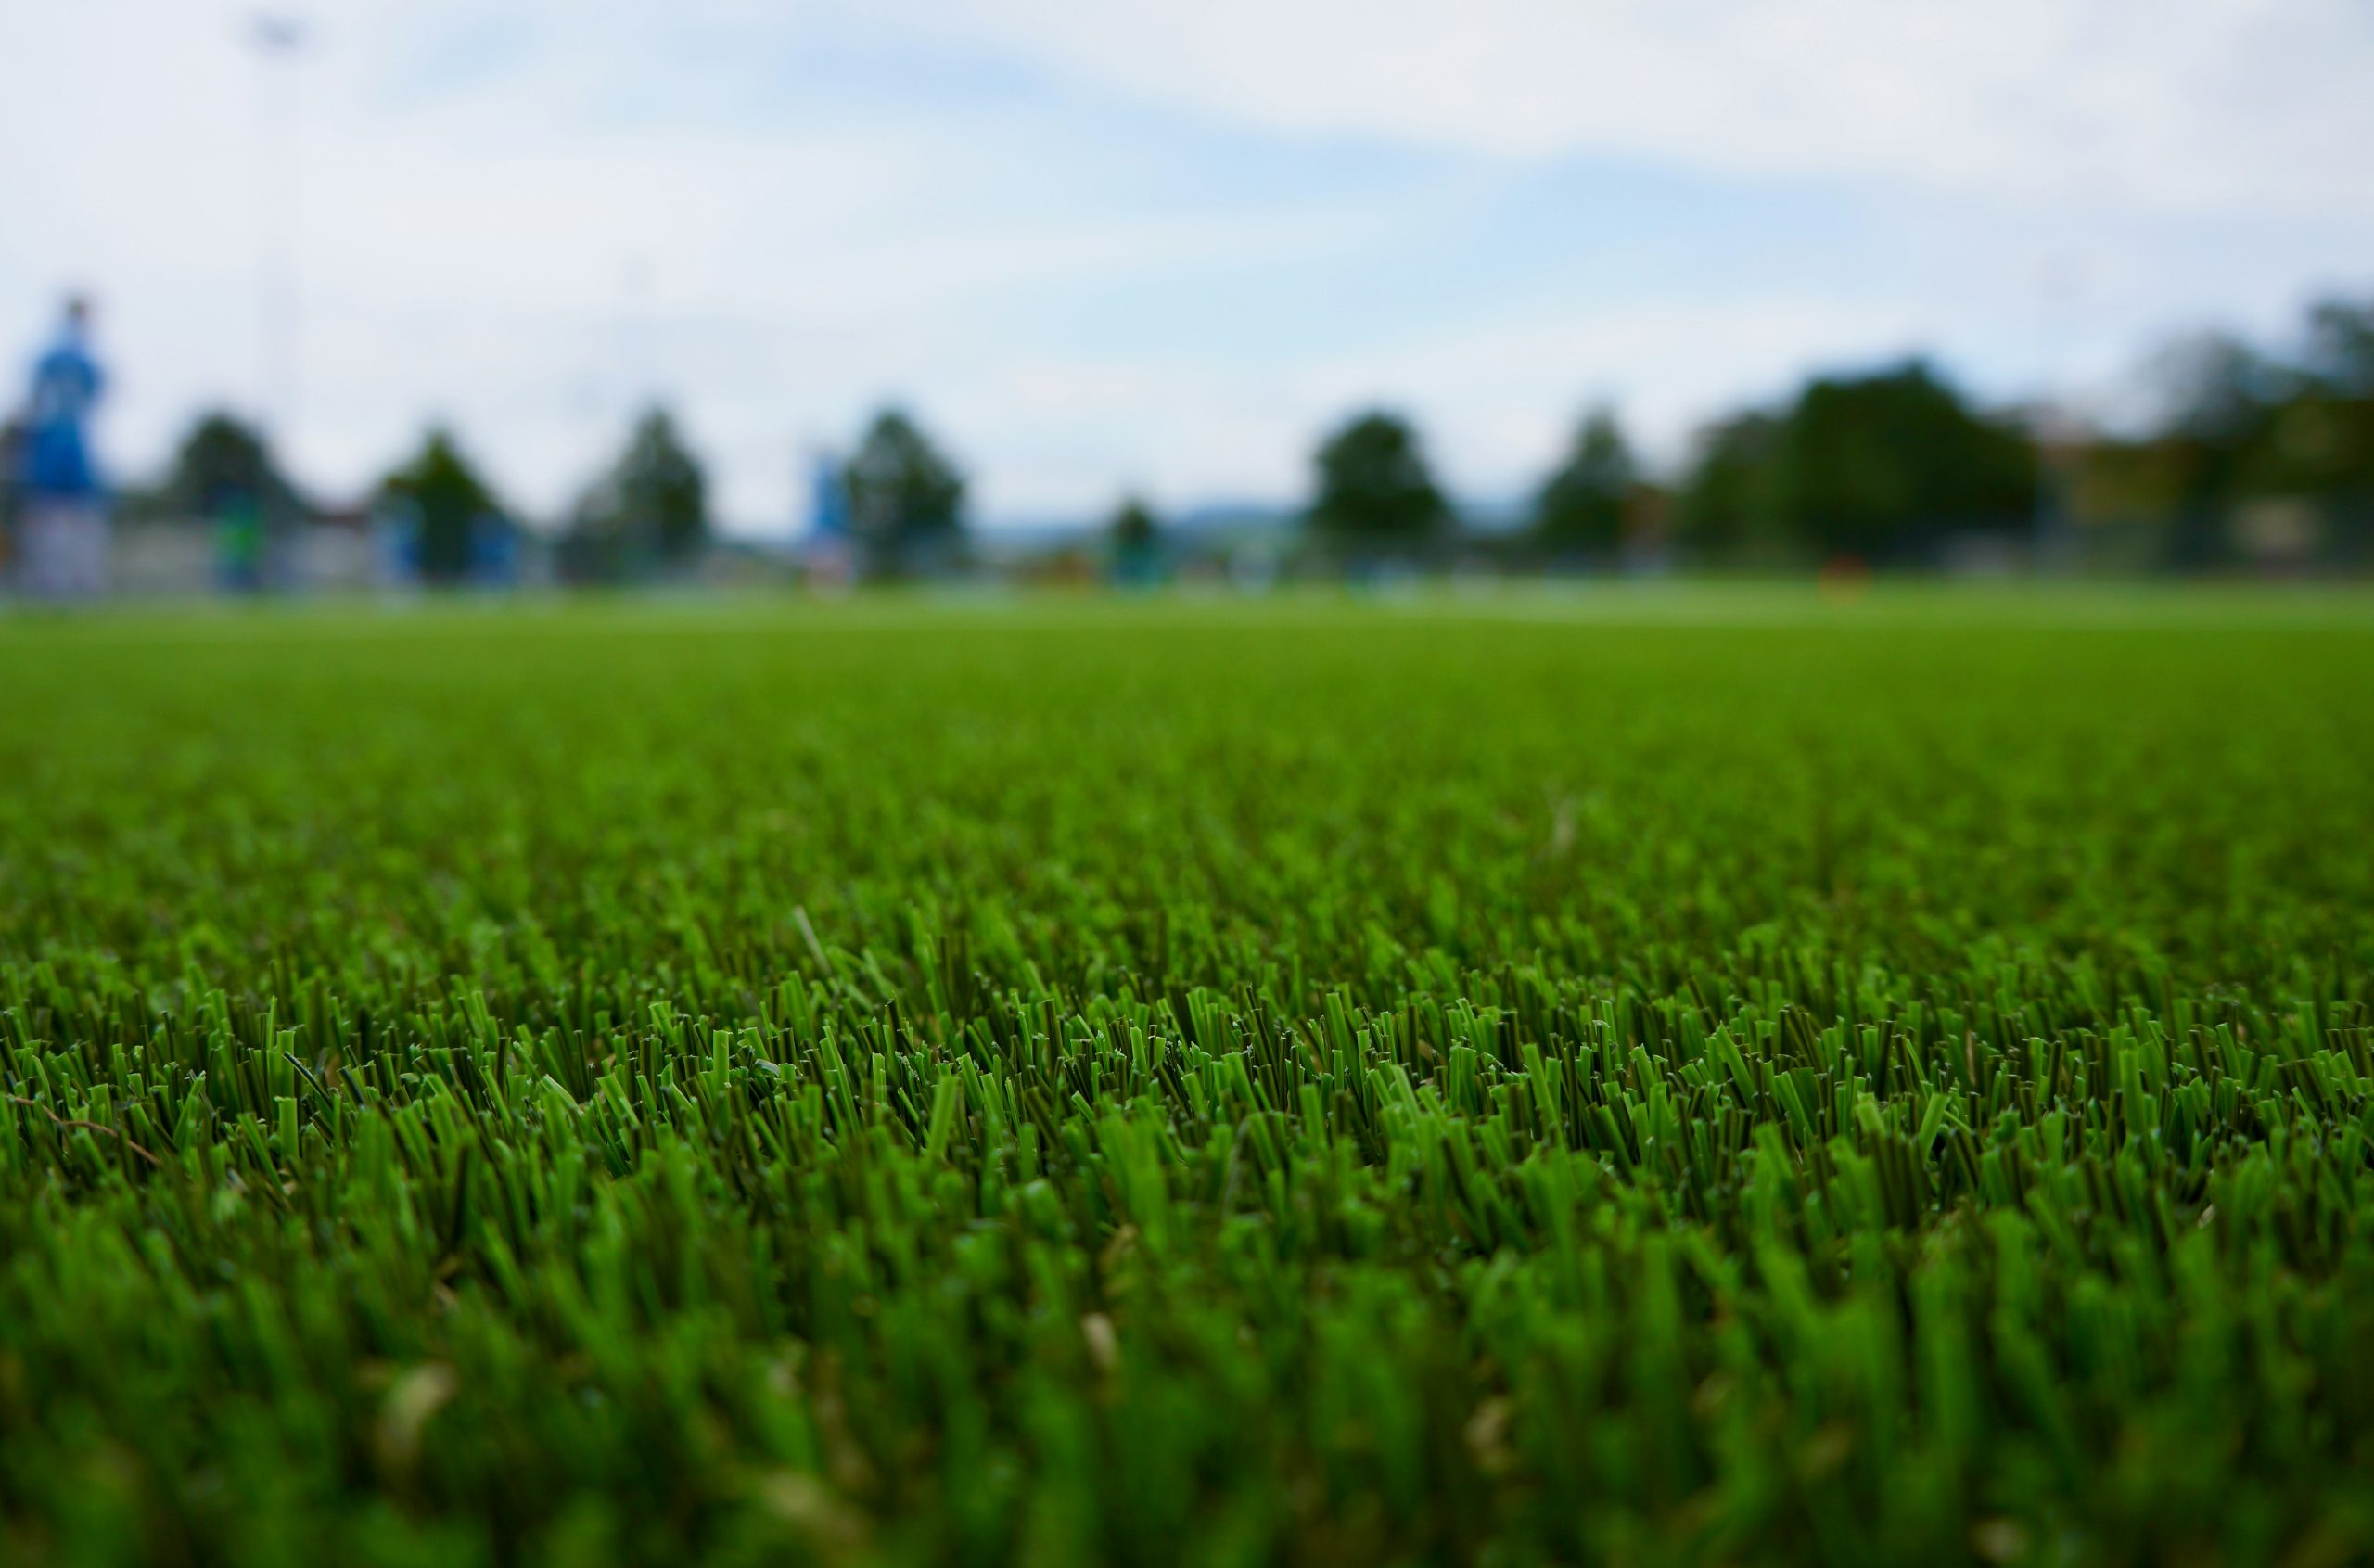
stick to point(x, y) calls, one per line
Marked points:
point(1888, 466)
point(2251, 451)
point(645, 516)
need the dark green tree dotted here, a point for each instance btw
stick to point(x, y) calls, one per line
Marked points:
point(1133, 528)
point(1375, 494)
point(650, 511)
point(1581, 509)
point(448, 499)
point(1726, 509)
point(1876, 464)
point(223, 464)
point(906, 500)
point(1880, 465)
point(1136, 539)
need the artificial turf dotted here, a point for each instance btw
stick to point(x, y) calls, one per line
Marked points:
point(1690, 1076)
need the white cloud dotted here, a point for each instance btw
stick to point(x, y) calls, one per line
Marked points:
point(2188, 105)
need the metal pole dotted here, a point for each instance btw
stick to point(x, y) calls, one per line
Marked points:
point(277, 40)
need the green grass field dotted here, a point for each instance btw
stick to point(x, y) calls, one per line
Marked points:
point(1696, 1075)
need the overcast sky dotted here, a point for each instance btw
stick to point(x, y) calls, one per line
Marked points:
point(1159, 246)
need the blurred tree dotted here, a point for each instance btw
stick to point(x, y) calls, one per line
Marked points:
point(2214, 387)
point(1582, 508)
point(1136, 542)
point(1877, 465)
point(2316, 446)
point(1133, 528)
point(2219, 396)
point(2242, 447)
point(1726, 508)
point(1873, 465)
point(906, 501)
point(650, 511)
point(2341, 347)
point(447, 499)
point(2253, 448)
point(223, 464)
point(2132, 482)
point(1374, 493)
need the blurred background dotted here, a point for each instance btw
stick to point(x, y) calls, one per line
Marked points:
point(505, 293)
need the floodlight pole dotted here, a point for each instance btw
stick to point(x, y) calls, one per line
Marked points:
point(278, 40)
